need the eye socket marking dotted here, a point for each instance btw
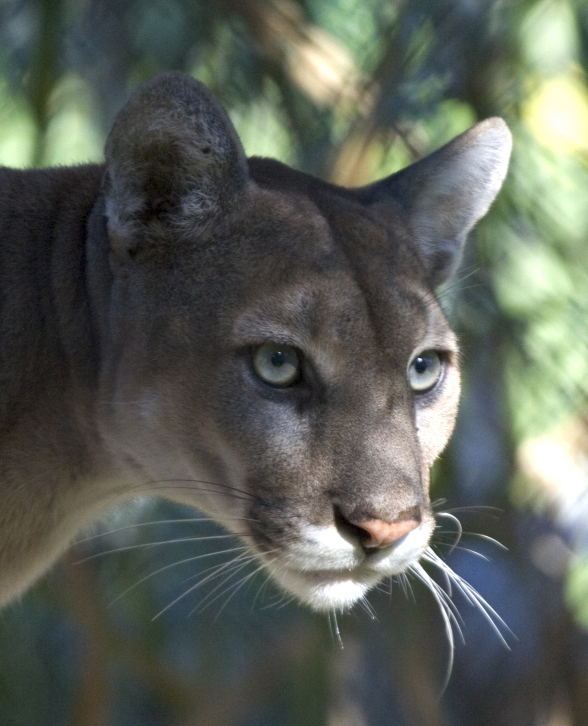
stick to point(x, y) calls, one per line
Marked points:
point(277, 364)
point(425, 371)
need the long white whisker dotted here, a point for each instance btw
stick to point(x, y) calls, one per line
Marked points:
point(486, 538)
point(446, 614)
point(261, 589)
point(438, 503)
point(235, 587)
point(169, 486)
point(449, 606)
point(459, 527)
point(283, 601)
point(406, 586)
point(127, 527)
point(476, 508)
point(470, 594)
point(236, 563)
point(175, 564)
point(201, 605)
point(209, 599)
point(155, 523)
point(146, 545)
point(334, 627)
point(280, 599)
point(462, 549)
point(365, 604)
point(189, 484)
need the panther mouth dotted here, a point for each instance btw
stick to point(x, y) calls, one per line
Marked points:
point(327, 590)
point(335, 579)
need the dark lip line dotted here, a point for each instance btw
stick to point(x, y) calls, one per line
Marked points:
point(368, 556)
point(346, 573)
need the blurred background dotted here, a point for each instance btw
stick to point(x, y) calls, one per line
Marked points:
point(350, 90)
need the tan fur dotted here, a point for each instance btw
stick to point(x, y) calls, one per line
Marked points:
point(133, 296)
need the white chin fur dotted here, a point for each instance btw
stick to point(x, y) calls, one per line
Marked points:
point(327, 572)
point(325, 591)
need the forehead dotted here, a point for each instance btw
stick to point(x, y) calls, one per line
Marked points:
point(301, 222)
point(324, 268)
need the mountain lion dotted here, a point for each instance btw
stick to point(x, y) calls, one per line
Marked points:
point(235, 335)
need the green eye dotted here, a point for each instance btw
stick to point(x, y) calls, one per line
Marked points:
point(424, 371)
point(277, 364)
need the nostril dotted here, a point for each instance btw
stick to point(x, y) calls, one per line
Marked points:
point(345, 526)
point(383, 534)
point(375, 533)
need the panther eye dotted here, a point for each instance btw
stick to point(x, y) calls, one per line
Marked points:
point(277, 364)
point(424, 371)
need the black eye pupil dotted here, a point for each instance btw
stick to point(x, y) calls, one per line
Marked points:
point(278, 359)
point(421, 365)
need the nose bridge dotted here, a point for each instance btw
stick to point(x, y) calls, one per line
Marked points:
point(376, 471)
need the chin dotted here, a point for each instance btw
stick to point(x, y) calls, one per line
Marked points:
point(325, 591)
point(328, 573)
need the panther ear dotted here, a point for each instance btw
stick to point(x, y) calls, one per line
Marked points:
point(446, 193)
point(172, 157)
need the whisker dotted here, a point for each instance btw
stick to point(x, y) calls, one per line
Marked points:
point(475, 508)
point(216, 485)
point(385, 588)
point(456, 284)
point(366, 605)
point(407, 585)
point(206, 601)
point(210, 569)
point(154, 487)
point(202, 606)
point(446, 614)
point(404, 582)
point(235, 587)
point(127, 527)
point(471, 595)
point(260, 590)
point(146, 545)
point(175, 564)
point(148, 489)
point(236, 563)
point(155, 523)
point(462, 549)
point(449, 606)
point(487, 538)
point(459, 533)
point(334, 628)
point(281, 598)
point(446, 533)
point(284, 601)
point(438, 503)
point(452, 517)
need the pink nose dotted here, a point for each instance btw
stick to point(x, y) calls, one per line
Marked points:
point(382, 534)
